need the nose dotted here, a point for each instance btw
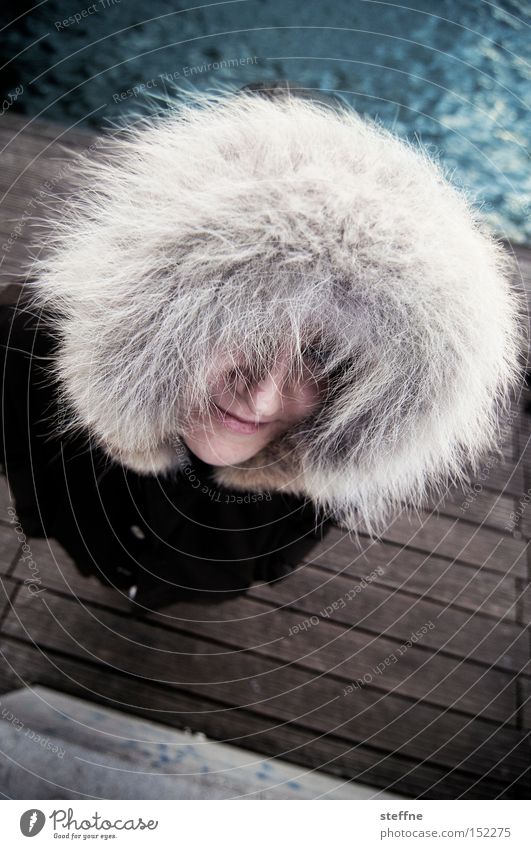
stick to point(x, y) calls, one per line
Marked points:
point(266, 396)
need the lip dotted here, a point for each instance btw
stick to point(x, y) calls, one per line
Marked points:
point(237, 425)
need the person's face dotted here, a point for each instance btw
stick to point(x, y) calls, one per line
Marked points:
point(245, 417)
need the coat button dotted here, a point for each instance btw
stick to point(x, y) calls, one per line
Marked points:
point(137, 532)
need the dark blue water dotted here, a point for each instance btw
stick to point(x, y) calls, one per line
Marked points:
point(455, 75)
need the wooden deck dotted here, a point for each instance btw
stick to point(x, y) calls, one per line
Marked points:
point(403, 664)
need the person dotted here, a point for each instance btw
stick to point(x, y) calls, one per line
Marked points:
point(260, 315)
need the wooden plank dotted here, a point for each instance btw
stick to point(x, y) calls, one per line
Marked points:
point(526, 702)
point(22, 664)
point(523, 515)
point(9, 548)
point(522, 278)
point(399, 568)
point(525, 603)
point(503, 477)
point(522, 427)
point(461, 541)
point(522, 511)
point(487, 508)
point(33, 153)
point(326, 647)
point(28, 173)
point(244, 679)
point(378, 611)
point(13, 125)
point(8, 590)
point(11, 540)
point(499, 472)
point(57, 571)
point(245, 623)
point(522, 256)
point(5, 500)
point(419, 573)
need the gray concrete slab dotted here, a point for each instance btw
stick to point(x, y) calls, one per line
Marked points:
point(56, 746)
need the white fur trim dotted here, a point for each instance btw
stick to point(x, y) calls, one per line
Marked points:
point(238, 222)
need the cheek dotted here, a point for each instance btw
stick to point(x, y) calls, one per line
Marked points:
point(306, 401)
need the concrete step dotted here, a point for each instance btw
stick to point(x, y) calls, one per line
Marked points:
point(56, 746)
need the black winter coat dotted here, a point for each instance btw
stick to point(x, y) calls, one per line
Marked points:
point(171, 537)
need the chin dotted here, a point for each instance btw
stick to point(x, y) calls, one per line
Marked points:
point(224, 455)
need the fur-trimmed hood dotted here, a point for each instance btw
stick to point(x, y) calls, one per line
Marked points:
point(243, 223)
